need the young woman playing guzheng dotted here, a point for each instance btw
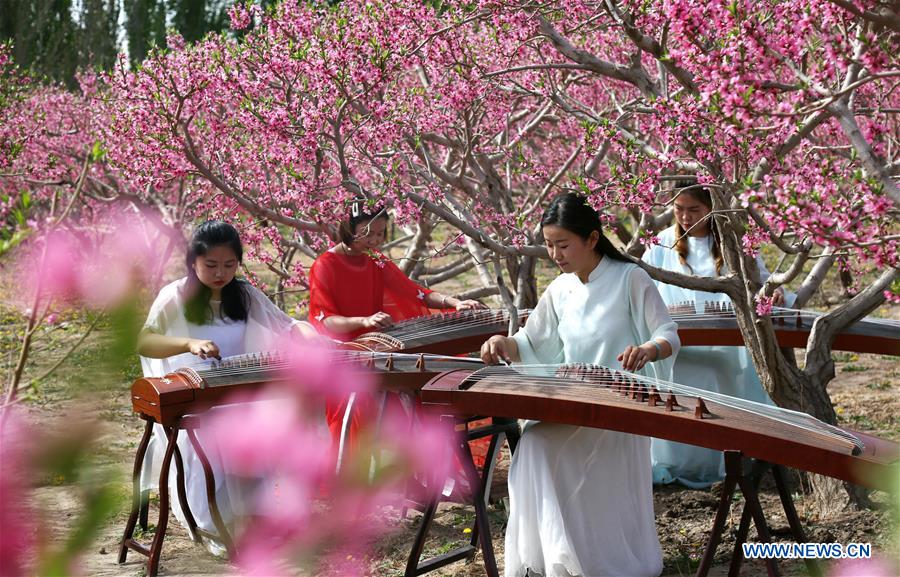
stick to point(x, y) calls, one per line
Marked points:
point(208, 314)
point(581, 499)
point(355, 289)
point(690, 247)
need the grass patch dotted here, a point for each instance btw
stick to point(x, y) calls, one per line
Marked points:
point(861, 422)
point(443, 548)
point(881, 385)
point(854, 369)
point(843, 357)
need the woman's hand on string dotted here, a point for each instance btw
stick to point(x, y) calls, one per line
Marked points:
point(204, 349)
point(468, 305)
point(778, 297)
point(633, 358)
point(379, 320)
point(496, 349)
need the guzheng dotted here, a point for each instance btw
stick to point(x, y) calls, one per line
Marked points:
point(449, 333)
point(193, 390)
point(714, 323)
point(596, 396)
point(174, 399)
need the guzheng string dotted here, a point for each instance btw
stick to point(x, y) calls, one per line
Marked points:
point(274, 362)
point(615, 382)
point(686, 310)
point(441, 323)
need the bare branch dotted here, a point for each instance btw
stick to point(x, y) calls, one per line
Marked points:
point(883, 14)
point(874, 166)
point(826, 327)
point(457, 269)
point(478, 293)
point(635, 76)
point(651, 46)
point(815, 278)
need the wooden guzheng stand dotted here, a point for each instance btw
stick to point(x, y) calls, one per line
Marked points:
point(594, 396)
point(455, 333)
point(177, 400)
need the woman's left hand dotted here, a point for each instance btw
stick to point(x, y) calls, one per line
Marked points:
point(469, 305)
point(633, 358)
point(778, 297)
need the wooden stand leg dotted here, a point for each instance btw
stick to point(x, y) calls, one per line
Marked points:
point(209, 479)
point(487, 470)
point(793, 519)
point(412, 563)
point(163, 523)
point(182, 496)
point(128, 542)
point(737, 556)
point(751, 499)
point(482, 524)
point(136, 494)
point(732, 470)
point(481, 528)
point(749, 485)
point(513, 433)
point(752, 509)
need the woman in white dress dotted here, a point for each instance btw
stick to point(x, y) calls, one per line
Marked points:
point(581, 499)
point(690, 247)
point(208, 314)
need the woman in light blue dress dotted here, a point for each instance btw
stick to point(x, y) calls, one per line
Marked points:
point(690, 247)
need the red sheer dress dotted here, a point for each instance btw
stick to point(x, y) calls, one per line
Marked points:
point(358, 286)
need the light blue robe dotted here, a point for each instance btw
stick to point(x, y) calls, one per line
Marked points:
point(726, 370)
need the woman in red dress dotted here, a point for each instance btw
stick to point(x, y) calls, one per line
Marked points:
point(355, 289)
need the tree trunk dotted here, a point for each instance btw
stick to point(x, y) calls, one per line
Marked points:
point(792, 388)
point(482, 265)
point(526, 284)
point(418, 246)
point(786, 384)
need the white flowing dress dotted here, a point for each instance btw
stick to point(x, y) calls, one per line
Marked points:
point(265, 326)
point(726, 370)
point(581, 499)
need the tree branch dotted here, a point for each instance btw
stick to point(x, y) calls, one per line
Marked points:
point(637, 77)
point(249, 205)
point(874, 166)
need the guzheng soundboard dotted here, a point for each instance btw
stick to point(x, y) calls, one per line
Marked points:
point(595, 396)
point(714, 323)
point(194, 390)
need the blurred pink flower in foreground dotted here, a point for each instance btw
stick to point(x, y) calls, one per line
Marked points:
point(17, 520)
point(301, 509)
point(316, 368)
point(874, 567)
point(100, 266)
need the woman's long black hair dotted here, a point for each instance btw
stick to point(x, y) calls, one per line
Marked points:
point(235, 298)
point(572, 212)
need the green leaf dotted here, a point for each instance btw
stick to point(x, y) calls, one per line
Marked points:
point(97, 152)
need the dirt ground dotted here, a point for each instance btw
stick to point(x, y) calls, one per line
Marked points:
point(865, 393)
